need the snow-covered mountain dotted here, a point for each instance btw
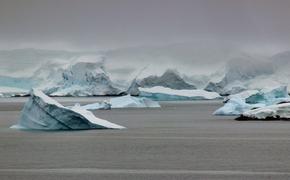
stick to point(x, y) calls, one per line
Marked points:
point(238, 72)
point(84, 74)
point(248, 73)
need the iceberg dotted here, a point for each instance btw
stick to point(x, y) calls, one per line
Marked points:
point(238, 72)
point(269, 96)
point(242, 95)
point(273, 112)
point(239, 103)
point(127, 101)
point(170, 78)
point(99, 105)
point(134, 88)
point(84, 79)
point(133, 102)
point(12, 92)
point(44, 113)
point(235, 106)
point(166, 94)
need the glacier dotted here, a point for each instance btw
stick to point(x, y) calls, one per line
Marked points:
point(127, 101)
point(41, 112)
point(160, 93)
point(65, 73)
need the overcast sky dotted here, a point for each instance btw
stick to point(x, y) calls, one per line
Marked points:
point(120, 23)
point(255, 25)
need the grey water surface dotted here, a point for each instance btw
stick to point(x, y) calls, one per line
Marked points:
point(181, 140)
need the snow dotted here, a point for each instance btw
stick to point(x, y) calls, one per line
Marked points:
point(166, 94)
point(277, 111)
point(41, 112)
point(127, 101)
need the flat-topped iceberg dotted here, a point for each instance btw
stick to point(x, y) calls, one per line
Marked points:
point(135, 102)
point(12, 92)
point(252, 99)
point(98, 105)
point(273, 112)
point(127, 101)
point(44, 113)
point(166, 94)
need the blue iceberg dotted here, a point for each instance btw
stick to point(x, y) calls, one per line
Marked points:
point(127, 101)
point(252, 99)
point(44, 113)
point(160, 93)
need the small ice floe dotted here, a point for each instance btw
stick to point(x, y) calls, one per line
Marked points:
point(273, 112)
point(44, 113)
point(12, 92)
point(127, 101)
point(166, 94)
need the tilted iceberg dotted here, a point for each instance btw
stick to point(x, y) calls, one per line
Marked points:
point(273, 112)
point(166, 94)
point(44, 113)
point(127, 101)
